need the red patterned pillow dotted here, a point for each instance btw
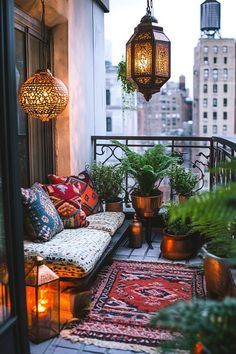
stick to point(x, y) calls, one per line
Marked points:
point(89, 198)
point(66, 198)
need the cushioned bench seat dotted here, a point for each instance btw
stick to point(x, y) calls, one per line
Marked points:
point(73, 253)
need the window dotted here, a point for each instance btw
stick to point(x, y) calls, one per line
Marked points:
point(225, 49)
point(215, 49)
point(108, 97)
point(224, 128)
point(173, 121)
point(214, 102)
point(214, 129)
point(215, 60)
point(225, 88)
point(225, 60)
point(109, 124)
point(206, 73)
point(205, 115)
point(215, 74)
point(205, 88)
point(205, 60)
point(173, 99)
point(204, 129)
point(215, 88)
point(214, 115)
point(205, 102)
point(205, 49)
point(225, 115)
point(173, 108)
point(225, 102)
point(225, 74)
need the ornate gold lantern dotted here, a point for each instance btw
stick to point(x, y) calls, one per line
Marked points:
point(43, 302)
point(43, 96)
point(148, 56)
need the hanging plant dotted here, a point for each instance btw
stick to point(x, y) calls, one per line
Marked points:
point(127, 86)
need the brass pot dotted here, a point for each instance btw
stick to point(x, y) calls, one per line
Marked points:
point(147, 206)
point(114, 206)
point(177, 247)
point(217, 275)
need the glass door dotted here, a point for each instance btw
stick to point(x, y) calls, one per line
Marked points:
point(13, 325)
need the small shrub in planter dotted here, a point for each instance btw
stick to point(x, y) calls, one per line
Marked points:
point(183, 181)
point(108, 181)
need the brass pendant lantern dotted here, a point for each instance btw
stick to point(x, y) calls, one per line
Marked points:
point(148, 56)
point(43, 302)
point(43, 96)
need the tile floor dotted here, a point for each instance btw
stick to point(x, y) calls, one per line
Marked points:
point(60, 346)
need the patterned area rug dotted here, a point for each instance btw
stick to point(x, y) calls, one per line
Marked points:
point(125, 298)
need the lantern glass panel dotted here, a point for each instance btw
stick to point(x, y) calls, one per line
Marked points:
point(162, 60)
point(128, 61)
point(43, 311)
point(143, 58)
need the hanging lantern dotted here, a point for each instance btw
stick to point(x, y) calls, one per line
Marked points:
point(43, 302)
point(148, 56)
point(43, 96)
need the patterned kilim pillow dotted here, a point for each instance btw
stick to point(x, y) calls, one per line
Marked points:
point(66, 198)
point(89, 198)
point(41, 219)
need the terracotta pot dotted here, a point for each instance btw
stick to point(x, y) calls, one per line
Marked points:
point(147, 206)
point(114, 206)
point(217, 275)
point(182, 198)
point(177, 247)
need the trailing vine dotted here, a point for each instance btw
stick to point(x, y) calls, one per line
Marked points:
point(127, 86)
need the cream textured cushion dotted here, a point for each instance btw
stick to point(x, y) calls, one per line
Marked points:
point(77, 248)
point(107, 221)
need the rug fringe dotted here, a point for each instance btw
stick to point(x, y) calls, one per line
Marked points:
point(111, 345)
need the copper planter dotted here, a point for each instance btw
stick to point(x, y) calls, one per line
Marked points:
point(147, 206)
point(114, 206)
point(217, 276)
point(177, 247)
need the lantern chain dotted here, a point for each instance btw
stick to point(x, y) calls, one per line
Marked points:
point(43, 34)
point(149, 7)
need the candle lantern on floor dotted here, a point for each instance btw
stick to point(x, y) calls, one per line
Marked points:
point(136, 233)
point(43, 302)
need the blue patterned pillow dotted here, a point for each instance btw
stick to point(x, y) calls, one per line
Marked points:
point(41, 219)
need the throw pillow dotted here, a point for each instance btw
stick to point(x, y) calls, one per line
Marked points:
point(90, 201)
point(66, 198)
point(41, 219)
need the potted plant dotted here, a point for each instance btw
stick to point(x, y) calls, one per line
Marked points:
point(108, 182)
point(206, 326)
point(148, 170)
point(183, 181)
point(213, 215)
point(179, 240)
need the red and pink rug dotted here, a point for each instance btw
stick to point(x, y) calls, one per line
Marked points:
point(125, 298)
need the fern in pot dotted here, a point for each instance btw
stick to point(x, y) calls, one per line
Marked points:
point(147, 170)
point(108, 183)
point(179, 240)
point(213, 215)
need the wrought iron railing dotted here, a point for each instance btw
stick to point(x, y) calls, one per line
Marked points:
point(200, 154)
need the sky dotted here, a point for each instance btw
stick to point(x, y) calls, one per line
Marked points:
point(180, 20)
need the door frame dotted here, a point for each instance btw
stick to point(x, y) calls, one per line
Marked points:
point(13, 333)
